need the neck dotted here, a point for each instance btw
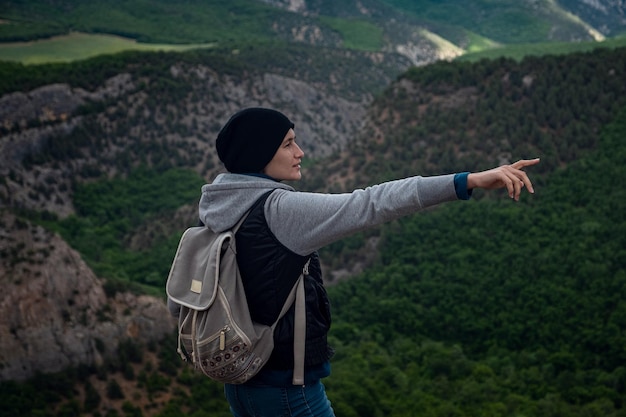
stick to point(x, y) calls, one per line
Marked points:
point(260, 175)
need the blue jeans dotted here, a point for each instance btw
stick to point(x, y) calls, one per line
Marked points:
point(265, 401)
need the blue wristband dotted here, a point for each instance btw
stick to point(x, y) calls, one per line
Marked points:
point(460, 186)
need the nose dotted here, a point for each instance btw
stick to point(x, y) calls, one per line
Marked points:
point(299, 152)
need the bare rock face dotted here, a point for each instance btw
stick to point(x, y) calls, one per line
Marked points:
point(54, 312)
point(45, 104)
point(55, 102)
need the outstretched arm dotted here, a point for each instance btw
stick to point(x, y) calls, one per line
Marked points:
point(510, 176)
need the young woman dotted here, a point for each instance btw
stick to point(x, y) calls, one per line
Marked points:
point(283, 231)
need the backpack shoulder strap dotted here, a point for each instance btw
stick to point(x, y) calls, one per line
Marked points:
point(299, 336)
point(297, 295)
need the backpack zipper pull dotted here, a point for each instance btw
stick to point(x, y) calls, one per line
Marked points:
point(222, 340)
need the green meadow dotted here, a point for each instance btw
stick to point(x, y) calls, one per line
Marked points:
point(78, 46)
point(356, 33)
point(519, 51)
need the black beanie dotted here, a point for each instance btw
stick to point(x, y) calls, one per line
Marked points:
point(250, 138)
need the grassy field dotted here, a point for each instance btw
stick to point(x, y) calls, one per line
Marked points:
point(518, 52)
point(357, 34)
point(77, 46)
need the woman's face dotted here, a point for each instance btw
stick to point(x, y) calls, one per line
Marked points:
point(285, 165)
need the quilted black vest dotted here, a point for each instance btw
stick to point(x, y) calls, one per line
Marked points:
point(269, 270)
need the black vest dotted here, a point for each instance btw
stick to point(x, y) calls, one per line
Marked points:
point(269, 271)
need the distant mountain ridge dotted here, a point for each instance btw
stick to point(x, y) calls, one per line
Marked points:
point(420, 31)
point(64, 121)
point(607, 16)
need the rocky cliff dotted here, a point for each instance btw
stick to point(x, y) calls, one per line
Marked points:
point(55, 313)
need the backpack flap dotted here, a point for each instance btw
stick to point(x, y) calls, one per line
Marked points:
point(193, 277)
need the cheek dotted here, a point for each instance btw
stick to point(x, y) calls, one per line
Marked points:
point(284, 160)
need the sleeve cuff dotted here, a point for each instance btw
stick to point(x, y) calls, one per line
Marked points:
point(460, 186)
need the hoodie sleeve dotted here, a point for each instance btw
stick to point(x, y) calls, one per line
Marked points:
point(305, 222)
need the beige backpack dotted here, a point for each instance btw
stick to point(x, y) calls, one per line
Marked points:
point(215, 331)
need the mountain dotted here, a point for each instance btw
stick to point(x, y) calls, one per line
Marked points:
point(418, 31)
point(177, 101)
point(608, 17)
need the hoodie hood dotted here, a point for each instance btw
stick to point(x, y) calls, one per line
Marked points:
point(230, 196)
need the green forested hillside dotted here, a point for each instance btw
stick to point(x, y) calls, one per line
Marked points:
point(507, 21)
point(109, 211)
point(152, 21)
point(315, 66)
point(450, 117)
point(492, 308)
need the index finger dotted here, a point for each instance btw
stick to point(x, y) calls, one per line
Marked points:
point(525, 162)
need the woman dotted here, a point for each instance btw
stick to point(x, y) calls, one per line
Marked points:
point(284, 230)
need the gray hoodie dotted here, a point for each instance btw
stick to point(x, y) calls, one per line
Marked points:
point(303, 221)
